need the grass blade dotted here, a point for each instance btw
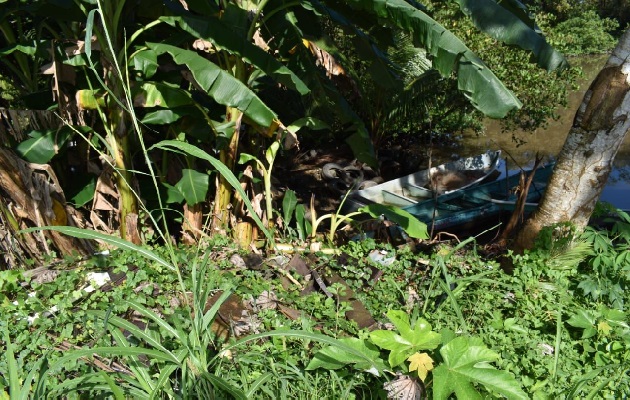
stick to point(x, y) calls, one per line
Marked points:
point(14, 381)
point(134, 330)
point(113, 240)
point(224, 385)
point(156, 318)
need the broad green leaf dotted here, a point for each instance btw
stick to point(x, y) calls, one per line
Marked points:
point(85, 195)
point(244, 158)
point(157, 94)
point(26, 49)
point(112, 240)
point(408, 340)
point(466, 363)
point(220, 85)
point(174, 145)
point(511, 324)
point(166, 116)
point(88, 99)
point(509, 27)
point(145, 61)
point(173, 195)
point(400, 319)
point(42, 146)
point(270, 154)
point(307, 122)
point(214, 30)
point(305, 335)
point(400, 348)
point(333, 357)
point(289, 204)
point(582, 319)
point(411, 225)
point(485, 91)
point(193, 186)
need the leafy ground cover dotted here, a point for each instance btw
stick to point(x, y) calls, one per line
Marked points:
point(375, 320)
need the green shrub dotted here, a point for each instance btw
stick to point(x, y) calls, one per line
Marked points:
point(586, 33)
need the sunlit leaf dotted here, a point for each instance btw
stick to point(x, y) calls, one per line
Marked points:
point(193, 186)
point(85, 195)
point(465, 364)
point(42, 146)
point(145, 61)
point(411, 225)
point(165, 117)
point(157, 94)
point(407, 340)
point(421, 363)
point(307, 122)
point(334, 357)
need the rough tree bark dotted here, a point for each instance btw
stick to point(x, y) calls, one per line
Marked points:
point(585, 161)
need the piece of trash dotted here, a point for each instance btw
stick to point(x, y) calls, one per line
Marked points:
point(380, 257)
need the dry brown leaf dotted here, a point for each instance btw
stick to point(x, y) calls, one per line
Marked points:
point(203, 45)
point(260, 42)
point(404, 388)
point(267, 300)
point(325, 60)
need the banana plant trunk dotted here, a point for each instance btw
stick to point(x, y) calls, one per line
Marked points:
point(223, 197)
point(128, 206)
point(118, 138)
point(585, 161)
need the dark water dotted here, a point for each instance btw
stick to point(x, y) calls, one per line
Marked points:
point(548, 142)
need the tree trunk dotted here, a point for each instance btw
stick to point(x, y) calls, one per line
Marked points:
point(585, 161)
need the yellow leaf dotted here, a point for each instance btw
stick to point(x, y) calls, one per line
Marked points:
point(422, 363)
point(603, 327)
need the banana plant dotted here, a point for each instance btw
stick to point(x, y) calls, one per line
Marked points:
point(202, 72)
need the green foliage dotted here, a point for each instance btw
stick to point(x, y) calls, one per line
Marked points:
point(291, 207)
point(408, 340)
point(533, 331)
point(467, 362)
point(541, 92)
point(605, 275)
point(585, 33)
